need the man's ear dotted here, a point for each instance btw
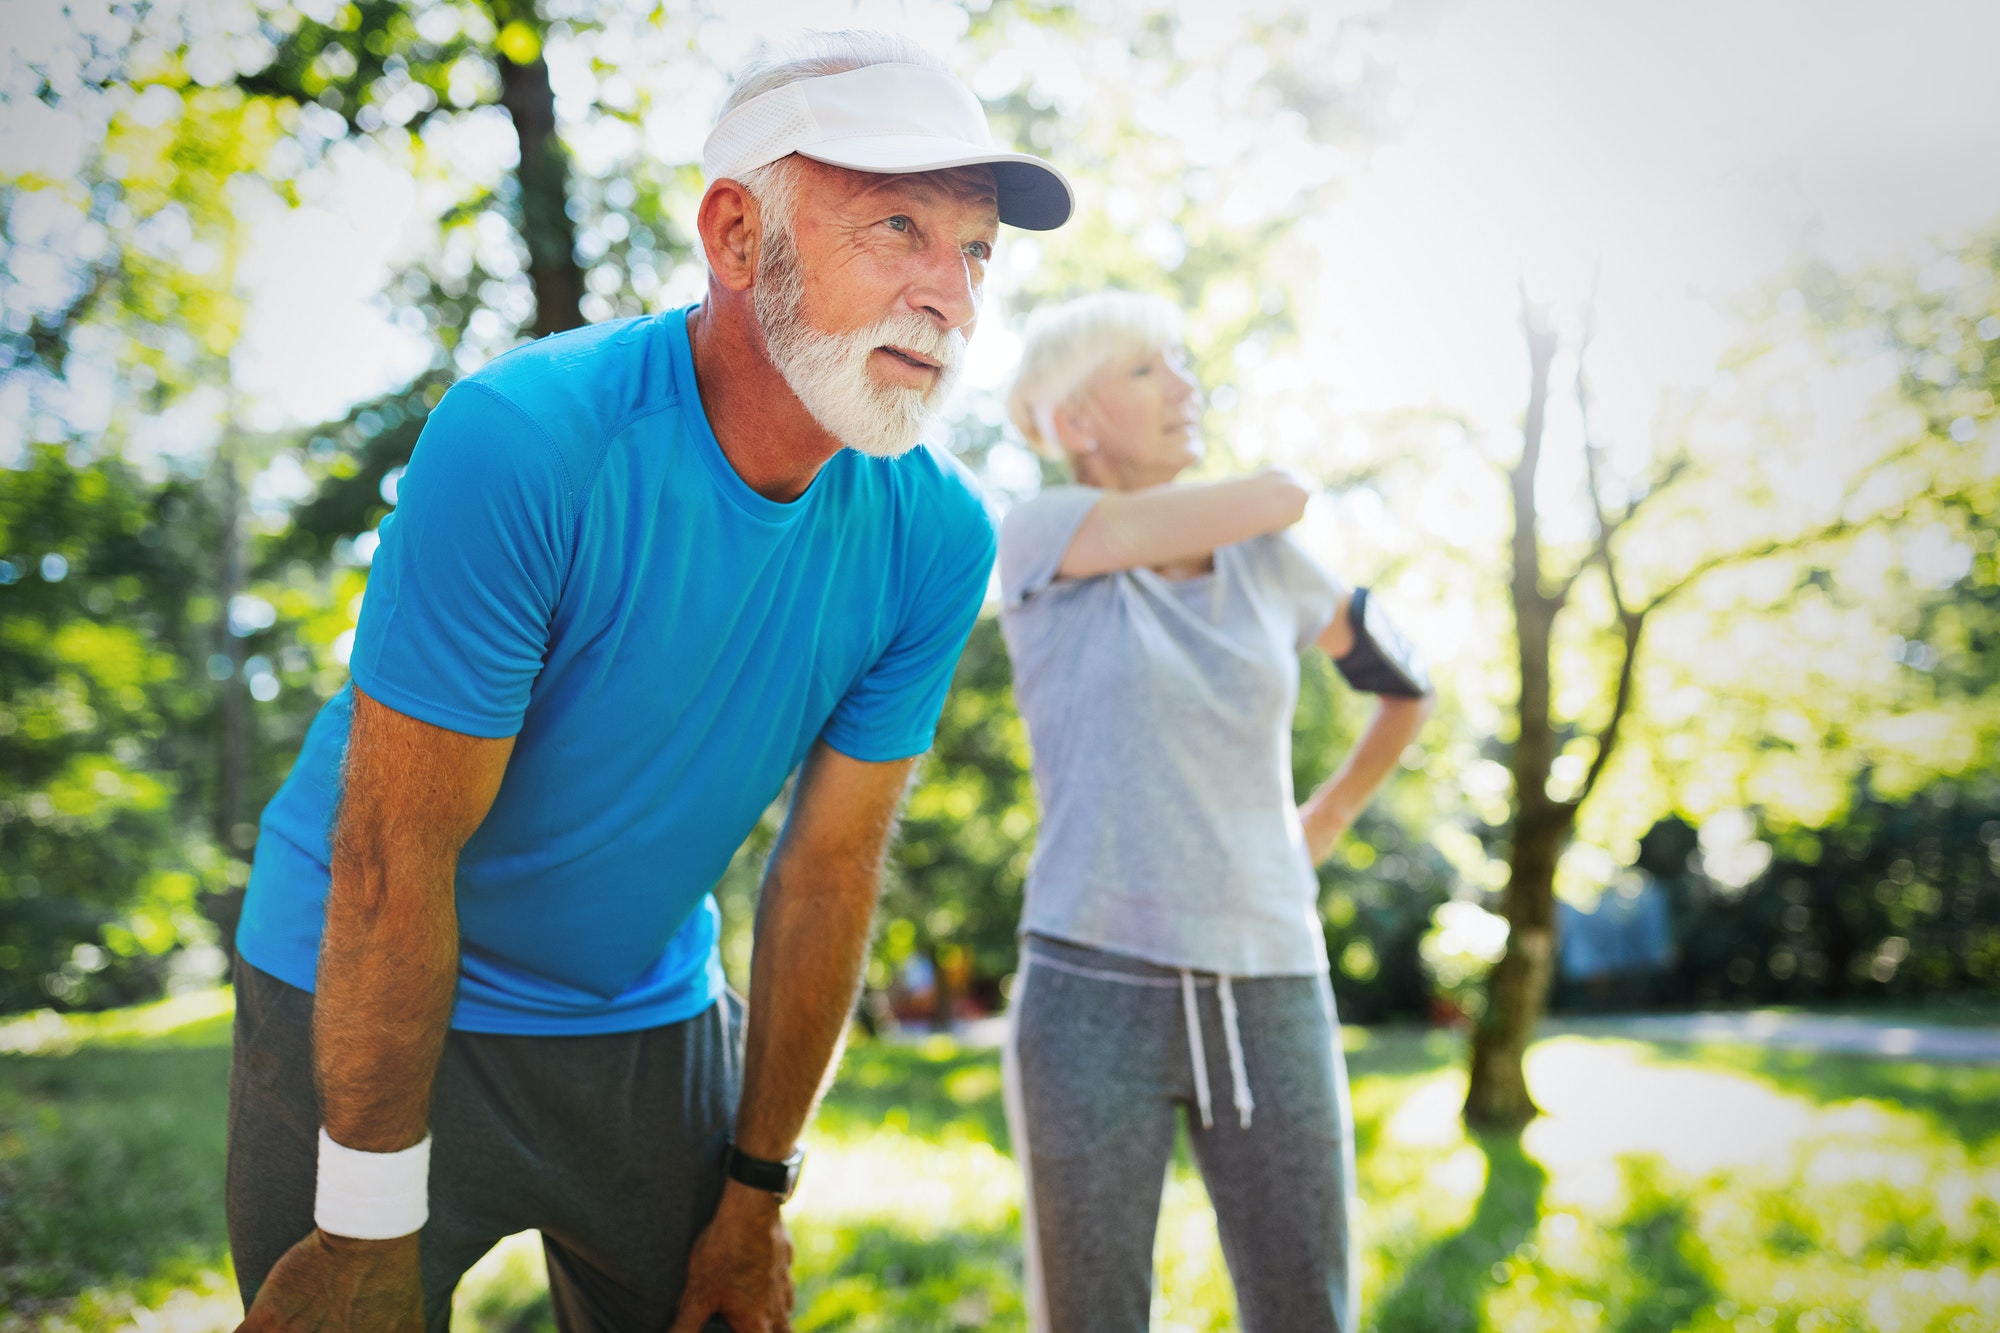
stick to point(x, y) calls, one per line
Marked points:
point(730, 229)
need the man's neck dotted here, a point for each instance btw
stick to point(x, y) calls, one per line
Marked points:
point(765, 431)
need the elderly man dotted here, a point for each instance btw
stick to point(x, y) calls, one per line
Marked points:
point(640, 575)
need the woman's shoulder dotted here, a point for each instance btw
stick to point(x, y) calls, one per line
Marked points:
point(1034, 535)
point(1047, 520)
point(1048, 502)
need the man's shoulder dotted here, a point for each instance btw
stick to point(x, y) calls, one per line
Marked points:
point(949, 499)
point(944, 480)
point(925, 507)
point(587, 384)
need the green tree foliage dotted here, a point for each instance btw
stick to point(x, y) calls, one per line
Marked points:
point(126, 154)
point(383, 68)
point(103, 857)
point(962, 856)
point(1899, 900)
point(136, 139)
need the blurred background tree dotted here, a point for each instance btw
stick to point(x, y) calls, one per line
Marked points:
point(1780, 528)
point(1808, 742)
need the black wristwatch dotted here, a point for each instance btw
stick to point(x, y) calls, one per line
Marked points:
point(779, 1178)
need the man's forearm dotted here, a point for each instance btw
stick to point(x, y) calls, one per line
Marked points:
point(812, 939)
point(388, 968)
point(388, 963)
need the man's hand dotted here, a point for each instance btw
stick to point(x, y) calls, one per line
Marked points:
point(340, 1285)
point(812, 938)
point(740, 1268)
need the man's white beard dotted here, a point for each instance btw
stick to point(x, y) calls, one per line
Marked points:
point(829, 371)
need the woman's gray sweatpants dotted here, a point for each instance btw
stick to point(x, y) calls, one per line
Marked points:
point(1103, 1053)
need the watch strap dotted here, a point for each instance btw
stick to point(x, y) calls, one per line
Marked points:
point(779, 1178)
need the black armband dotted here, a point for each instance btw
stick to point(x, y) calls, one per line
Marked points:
point(1381, 661)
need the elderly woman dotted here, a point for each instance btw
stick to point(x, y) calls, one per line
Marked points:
point(1171, 944)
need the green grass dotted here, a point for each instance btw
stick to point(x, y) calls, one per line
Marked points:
point(111, 1155)
point(1668, 1189)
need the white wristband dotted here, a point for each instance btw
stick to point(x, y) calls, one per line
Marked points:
point(372, 1195)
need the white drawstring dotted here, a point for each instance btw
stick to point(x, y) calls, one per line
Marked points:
point(1232, 1032)
point(728, 1047)
point(1239, 1073)
point(1195, 1053)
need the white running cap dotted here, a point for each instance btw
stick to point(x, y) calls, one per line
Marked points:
point(891, 119)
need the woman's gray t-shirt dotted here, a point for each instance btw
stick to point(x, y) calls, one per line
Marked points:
point(1160, 713)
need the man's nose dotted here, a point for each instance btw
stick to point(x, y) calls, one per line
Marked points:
point(945, 287)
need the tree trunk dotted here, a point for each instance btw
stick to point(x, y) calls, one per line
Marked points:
point(235, 754)
point(945, 991)
point(232, 832)
point(1518, 988)
point(544, 180)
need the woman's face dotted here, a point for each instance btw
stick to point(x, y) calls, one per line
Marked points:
point(1143, 413)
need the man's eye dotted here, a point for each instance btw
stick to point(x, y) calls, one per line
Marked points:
point(980, 250)
point(899, 222)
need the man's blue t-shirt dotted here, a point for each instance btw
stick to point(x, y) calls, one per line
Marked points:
point(574, 562)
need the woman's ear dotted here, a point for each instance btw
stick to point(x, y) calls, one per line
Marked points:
point(1071, 430)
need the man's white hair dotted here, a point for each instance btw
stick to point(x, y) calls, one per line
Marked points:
point(1065, 345)
point(811, 55)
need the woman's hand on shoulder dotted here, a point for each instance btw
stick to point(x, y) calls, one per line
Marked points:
point(1164, 525)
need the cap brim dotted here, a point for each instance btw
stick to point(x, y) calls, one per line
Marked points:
point(1033, 195)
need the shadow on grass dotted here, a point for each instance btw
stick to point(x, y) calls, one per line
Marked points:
point(111, 1164)
point(882, 1277)
point(1961, 1101)
point(933, 1089)
point(1394, 1052)
point(1445, 1288)
point(1659, 1274)
point(1668, 1273)
point(853, 1275)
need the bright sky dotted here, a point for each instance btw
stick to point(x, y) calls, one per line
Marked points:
point(1689, 152)
point(1686, 152)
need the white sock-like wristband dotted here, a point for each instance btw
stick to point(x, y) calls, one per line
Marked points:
point(372, 1195)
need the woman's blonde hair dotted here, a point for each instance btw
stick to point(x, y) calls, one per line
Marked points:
point(1066, 344)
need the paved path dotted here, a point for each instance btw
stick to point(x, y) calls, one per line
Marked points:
point(1807, 1032)
point(1840, 1034)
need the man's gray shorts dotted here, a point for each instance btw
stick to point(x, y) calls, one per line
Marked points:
point(610, 1146)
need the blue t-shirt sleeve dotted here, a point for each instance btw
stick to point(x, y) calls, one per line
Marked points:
point(891, 712)
point(464, 585)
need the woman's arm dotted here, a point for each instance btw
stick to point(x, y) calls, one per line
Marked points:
point(1166, 524)
point(1329, 811)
